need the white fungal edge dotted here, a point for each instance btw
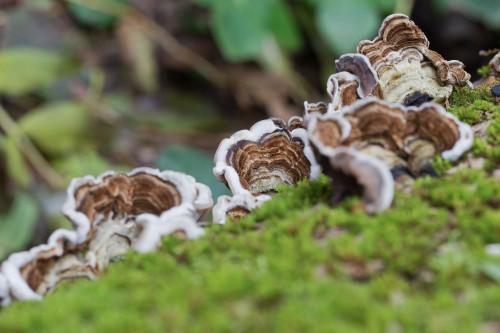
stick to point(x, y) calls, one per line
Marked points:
point(350, 109)
point(308, 106)
point(345, 128)
point(223, 171)
point(332, 88)
point(384, 200)
point(466, 138)
point(339, 117)
point(394, 57)
point(245, 200)
point(195, 199)
point(368, 65)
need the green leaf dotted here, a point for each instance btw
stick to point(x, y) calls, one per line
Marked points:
point(17, 226)
point(385, 6)
point(344, 23)
point(282, 24)
point(26, 70)
point(91, 17)
point(193, 162)
point(16, 164)
point(241, 27)
point(60, 127)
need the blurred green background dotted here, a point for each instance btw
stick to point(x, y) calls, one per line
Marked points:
point(93, 85)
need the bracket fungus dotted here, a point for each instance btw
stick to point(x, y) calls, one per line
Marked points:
point(111, 214)
point(355, 79)
point(405, 139)
point(355, 173)
point(236, 207)
point(397, 66)
point(270, 154)
point(409, 72)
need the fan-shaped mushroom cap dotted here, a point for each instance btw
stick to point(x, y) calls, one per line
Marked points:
point(354, 173)
point(409, 73)
point(328, 131)
point(368, 121)
point(393, 133)
point(374, 121)
point(431, 130)
point(111, 214)
point(343, 88)
point(237, 206)
point(313, 109)
point(269, 154)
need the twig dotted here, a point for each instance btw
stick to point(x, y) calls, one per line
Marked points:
point(487, 53)
point(23, 143)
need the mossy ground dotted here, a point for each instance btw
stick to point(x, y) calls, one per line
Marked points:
point(298, 265)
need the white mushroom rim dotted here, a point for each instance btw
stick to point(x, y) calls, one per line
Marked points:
point(242, 201)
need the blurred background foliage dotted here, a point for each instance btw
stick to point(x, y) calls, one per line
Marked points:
point(93, 85)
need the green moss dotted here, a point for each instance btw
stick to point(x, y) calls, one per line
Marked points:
point(484, 71)
point(493, 160)
point(298, 265)
point(465, 96)
point(493, 131)
point(441, 165)
point(479, 147)
point(474, 112)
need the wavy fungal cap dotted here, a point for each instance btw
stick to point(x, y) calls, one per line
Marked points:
point(266, 156)
point(409, 72)
point(111, 214)
point(353, 172)
point(120, 196)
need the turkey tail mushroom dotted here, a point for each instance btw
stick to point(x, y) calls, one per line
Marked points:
point(111, 214)
point(355, 173)
point(409, 72)
point(256, 161)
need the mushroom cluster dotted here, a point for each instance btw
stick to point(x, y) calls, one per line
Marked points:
point(378, 132)
point(396, 66)
point(404, 138)
point(111, 214)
